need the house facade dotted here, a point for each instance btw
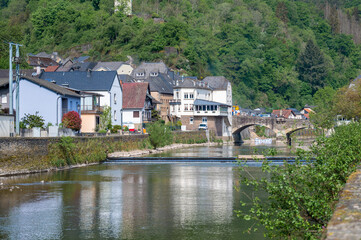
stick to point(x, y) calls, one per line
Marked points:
point(47, 99)
point(104, 84)
point(138, 105)
point(119, 67)
point(193, 103)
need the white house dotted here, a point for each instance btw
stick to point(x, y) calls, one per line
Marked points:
point(137, 105)
point(194, 104)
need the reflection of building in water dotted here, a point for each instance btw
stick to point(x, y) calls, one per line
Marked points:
point(202, 193)
point(87, 215)
point(135, 199)
point(48, 214)
point(110, 204)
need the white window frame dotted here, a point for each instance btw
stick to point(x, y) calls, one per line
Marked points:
point(204, 119)
point(115, 98)
point(191, 120)
point(185, 95)
point(115, 115)
point(4, 98)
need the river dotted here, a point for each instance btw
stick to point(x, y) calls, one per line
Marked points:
point(130, 201)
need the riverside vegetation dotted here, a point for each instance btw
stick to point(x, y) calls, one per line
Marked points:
point(276, 53)
point(301, 197)
point(68, 151)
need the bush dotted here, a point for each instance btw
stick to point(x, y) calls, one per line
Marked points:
point(302, 197)
point(159, 134)
point(72, 120)
point(115, 128)
point(32, 120)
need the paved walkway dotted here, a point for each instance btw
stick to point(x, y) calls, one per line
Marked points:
point(346, 220)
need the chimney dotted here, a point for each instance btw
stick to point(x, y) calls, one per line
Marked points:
point(88, 73)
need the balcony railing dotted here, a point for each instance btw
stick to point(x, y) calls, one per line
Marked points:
point(92, 108)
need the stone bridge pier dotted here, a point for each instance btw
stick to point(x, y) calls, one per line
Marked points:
point(283, 128)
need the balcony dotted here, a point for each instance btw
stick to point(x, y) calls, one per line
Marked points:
point(91, 109)
point(175, 102)
point(210, 113)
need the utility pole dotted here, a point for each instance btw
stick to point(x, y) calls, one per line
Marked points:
point(11, 105)
point(17, 62)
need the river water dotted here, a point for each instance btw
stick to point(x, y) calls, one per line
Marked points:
point(129, 201)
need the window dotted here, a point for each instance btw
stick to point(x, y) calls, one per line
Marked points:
point(191, 120)
point(115, 115)
point(191, 108)
point(179, 107)
point(191, 96)
point(204, 120)
point(135, 114)
point(153, 74)
point(115, 98)
point(71, 105)
point(177, 94)
point(185, 95)
point(4, 99)
point(141, 74)
point(185, 107)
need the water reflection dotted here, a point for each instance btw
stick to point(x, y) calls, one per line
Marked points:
point(115, 201)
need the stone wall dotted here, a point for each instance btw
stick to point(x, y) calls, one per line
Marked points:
point(40, 146)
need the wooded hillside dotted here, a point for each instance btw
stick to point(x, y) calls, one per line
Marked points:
point(277, 53)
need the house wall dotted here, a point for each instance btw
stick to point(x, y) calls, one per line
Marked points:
point(116, 103)
point(128, 117)
point(125, 69)
point(104, 99)
point(4, 95)
point(73, 103)
point(7, 125)
point(214, 123)
point(34, 98)
point(88, 123)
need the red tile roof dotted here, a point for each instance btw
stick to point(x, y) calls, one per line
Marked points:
point(285, 113)
point(51, 69)
point(134, 94)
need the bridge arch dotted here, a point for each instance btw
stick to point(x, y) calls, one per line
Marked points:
point(237, 131)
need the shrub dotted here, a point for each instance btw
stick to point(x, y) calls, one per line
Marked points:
point(72, 120)
point(159, 134)
point(301, 197)
point(115, 128)
point(32, 120)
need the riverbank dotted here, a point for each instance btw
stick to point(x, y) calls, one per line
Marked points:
point(137, 153)
point(34, 155)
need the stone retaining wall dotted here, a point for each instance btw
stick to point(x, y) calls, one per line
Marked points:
point(346, 220)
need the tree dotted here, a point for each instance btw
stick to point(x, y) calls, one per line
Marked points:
point(159, 134)
point(324, 116)
point(348, 101)
point(282, 12)
point(311, 66)
point(105, 122)
point(72, 120)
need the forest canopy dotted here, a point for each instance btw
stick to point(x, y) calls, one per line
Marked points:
point(276, 53)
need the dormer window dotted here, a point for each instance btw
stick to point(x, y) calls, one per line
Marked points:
point(153, 74)
point(140, 74)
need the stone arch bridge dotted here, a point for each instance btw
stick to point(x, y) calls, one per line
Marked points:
point(283, 128)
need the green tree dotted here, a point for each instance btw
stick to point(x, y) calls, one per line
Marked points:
point(105, 121)
point(311, 66)
point(159, 134)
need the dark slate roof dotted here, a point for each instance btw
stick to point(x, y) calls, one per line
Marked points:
point(51, 86)
point(4, 73)
point(134, 94)
point(217, 82)
point(4, 82)
point(80, 59)
point(161, 83)
point(190, 83)
point(83, 67)
point(110, 66)
point(41, 61)
point(66, 66)
point(206, 102)
point(149, 67)
point(125, 78)
point(85, 81)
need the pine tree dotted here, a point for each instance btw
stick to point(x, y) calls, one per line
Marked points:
point(311, 66)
